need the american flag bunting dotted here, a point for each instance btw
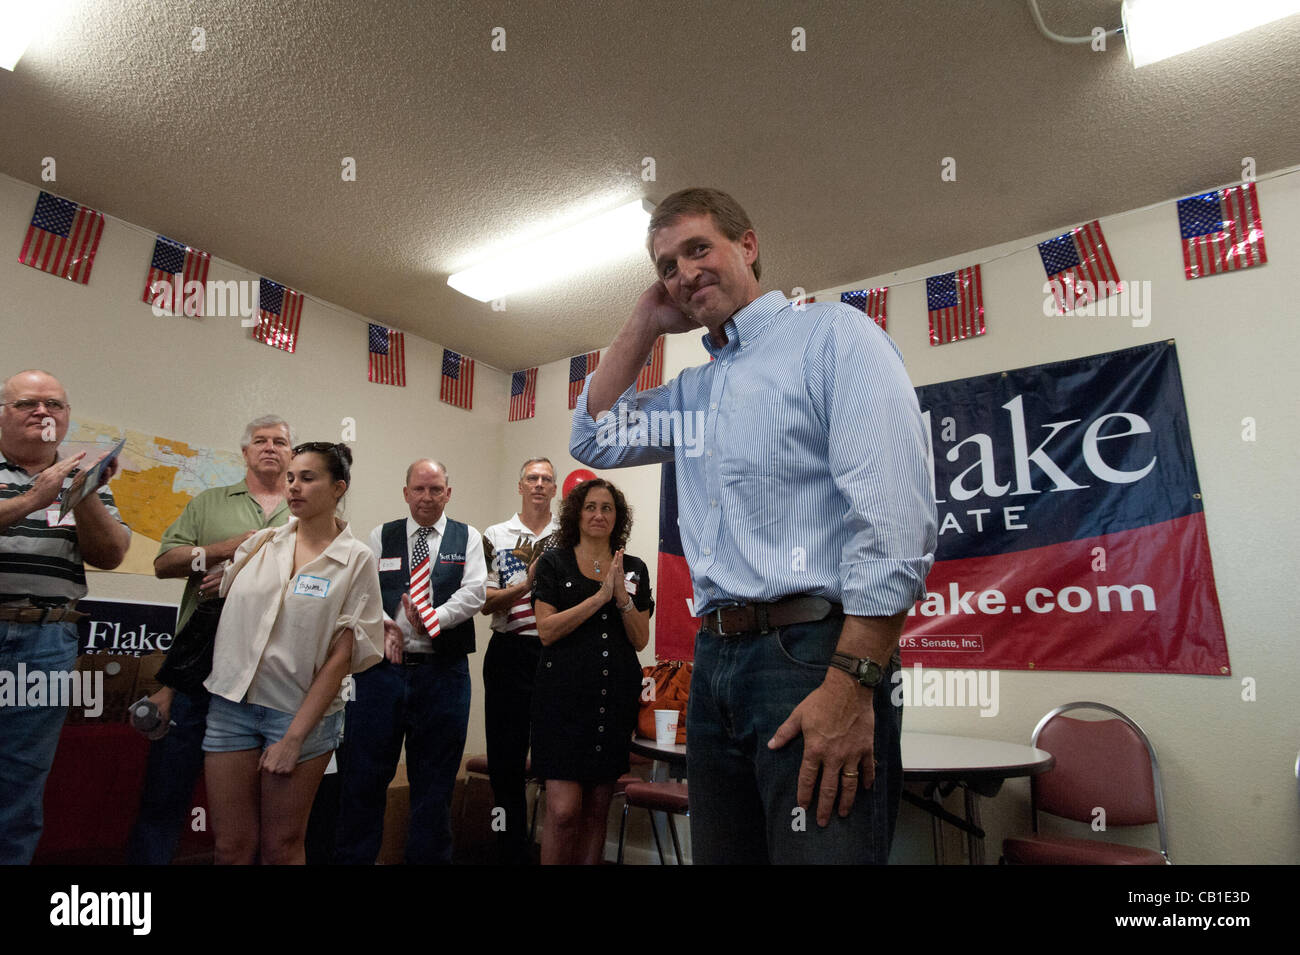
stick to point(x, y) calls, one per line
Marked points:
point(652, 375)
point(62, 238)
point(580, 366)
point(457, 380)
point(173, 267)
point(1079, 267)
point(956, 304)
point(523, 394)
point(279, 313)
point(1221, 231)
point(387, 356)
point(870, 301)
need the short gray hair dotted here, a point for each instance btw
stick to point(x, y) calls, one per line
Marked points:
point(437, 464)
point(266, 421)
point(546, 461)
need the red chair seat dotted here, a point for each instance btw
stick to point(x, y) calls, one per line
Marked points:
point(659, 797)
point(1064, 850)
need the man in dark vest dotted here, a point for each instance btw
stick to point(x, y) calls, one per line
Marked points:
point(432, 575)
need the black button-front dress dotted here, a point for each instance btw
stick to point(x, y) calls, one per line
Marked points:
point(588, 686)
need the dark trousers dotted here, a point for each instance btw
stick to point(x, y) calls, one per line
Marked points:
point(743, 795)
point(175, 762)
point(428, 706)
point(509, 669)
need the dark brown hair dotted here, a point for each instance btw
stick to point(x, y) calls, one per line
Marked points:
point(731, 220)
point(569, 535)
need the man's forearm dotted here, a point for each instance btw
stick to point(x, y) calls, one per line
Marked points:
point(620, 365)
point(179, 561)
point(14, 510)
point(102, 539)
point(873, 637)
point(503, 598)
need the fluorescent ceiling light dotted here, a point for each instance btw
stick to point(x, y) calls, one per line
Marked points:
point(1156, 29)
point(18, 23)
point(577, 248)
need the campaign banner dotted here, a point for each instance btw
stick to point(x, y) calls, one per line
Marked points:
point(121, 645)
point(1071, 526)
point(675, 627)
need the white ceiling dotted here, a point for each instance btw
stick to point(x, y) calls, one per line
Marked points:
point(835, 151)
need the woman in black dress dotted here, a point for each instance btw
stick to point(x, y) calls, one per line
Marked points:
point(593, 611)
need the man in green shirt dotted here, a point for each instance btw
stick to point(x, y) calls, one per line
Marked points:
point(195, 547)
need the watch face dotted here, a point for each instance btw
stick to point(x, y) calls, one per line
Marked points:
point(869, 672)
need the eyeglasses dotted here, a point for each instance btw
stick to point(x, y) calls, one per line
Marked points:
point(52, 405)
point(539, 479)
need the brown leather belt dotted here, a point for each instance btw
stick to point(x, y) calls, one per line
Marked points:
point(762, 618)
point(20, 614)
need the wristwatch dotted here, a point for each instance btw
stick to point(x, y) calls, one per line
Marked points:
point(863, 669)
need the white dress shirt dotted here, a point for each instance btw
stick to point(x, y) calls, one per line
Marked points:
point(277, 626)
point(460, 606)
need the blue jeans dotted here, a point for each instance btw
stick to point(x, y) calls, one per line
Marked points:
point(29, 735)
point(427, 704)
point(743, 795)
point(175, 762)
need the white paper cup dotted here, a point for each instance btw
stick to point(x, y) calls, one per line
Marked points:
point(665, 727)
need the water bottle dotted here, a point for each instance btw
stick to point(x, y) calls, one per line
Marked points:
point(146, 718)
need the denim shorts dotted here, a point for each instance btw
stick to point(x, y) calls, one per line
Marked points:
point(233, 727)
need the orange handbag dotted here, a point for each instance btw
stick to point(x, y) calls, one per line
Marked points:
point(664, 686)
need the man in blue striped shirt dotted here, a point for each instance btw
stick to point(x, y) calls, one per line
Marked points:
point(808, 522)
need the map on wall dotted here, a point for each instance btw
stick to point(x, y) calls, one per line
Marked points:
point(159, 476)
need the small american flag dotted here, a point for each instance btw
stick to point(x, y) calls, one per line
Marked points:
point(520, 618)
point(1079, 267)
point(62, 238)
point(279, 313)
point(652, 375)
point(387, 356)
point(956, 304)
point(1221, 231)
point(175, 266)
point(457, 380)
point(523, 394)
point(869, 300)
point(806, 300)
point(580, 366)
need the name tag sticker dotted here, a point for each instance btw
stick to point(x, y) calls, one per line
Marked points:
point(629, 583)
point(52, 518)
point(390, 563)
point(311, 586)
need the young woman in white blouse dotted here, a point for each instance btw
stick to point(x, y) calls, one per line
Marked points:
point(302, 611)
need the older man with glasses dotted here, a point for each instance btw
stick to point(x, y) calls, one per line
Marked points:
point(42, 576)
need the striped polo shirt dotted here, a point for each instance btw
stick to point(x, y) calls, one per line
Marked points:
point(40, 558)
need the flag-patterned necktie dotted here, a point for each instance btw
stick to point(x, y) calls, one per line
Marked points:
point(421, 582)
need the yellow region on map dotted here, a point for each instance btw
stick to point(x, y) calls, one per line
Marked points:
point(147, 501)
point(158, 478)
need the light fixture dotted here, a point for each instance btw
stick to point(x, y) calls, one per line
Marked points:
point(573, 249)
point(18, 23)
point(1157, 29)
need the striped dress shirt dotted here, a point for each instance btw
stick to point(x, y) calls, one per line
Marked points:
point(801, 460)
point(40, 557)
